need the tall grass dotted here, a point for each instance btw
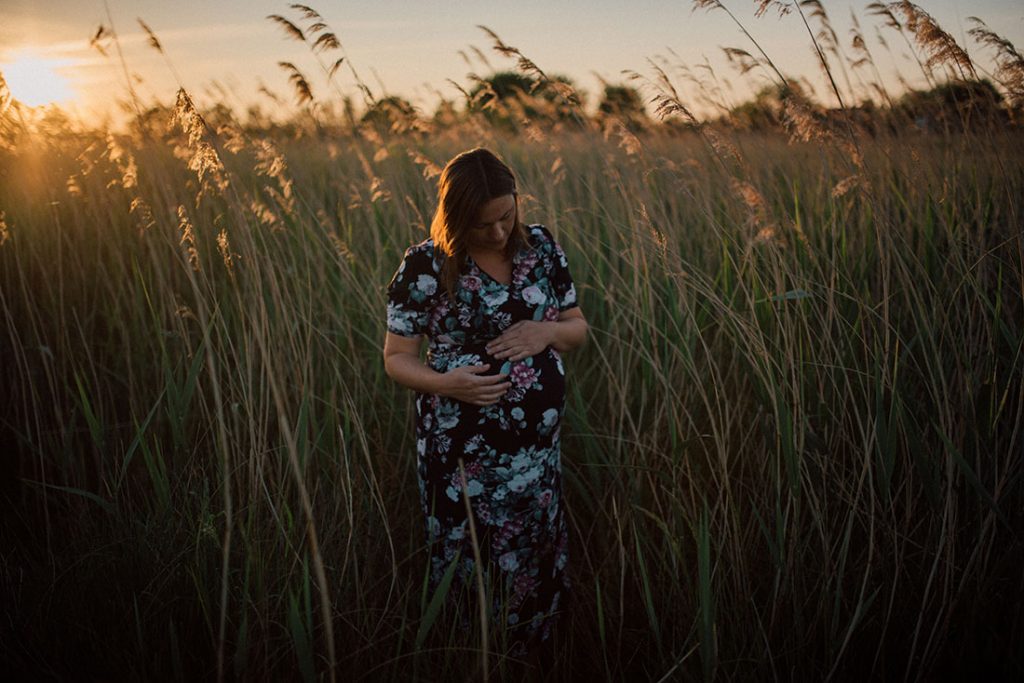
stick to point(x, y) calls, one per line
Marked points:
point(792, 447)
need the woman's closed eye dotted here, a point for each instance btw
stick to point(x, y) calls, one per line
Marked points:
point(505, 217)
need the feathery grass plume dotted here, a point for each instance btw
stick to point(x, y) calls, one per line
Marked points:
point(481, 56)
point(783, 8)
point(378, 192)
point(826, 34)
point(942, 49)
point(188, 238)
point(563, 90)
point(889, 20)
point(801, 118)
point(341, 248)
point(290, 29)
point(273, 96)
point(334, 67)
point(5, 96)
point(224, 247)
point(1009, 62)
point(231, 136)
point(123, 159)
point(715, 5)
point(151, 37)
point(307, 11)
point(741, 59)
point(666, 99)
point(271, 164)
point(8, 129)
point(327, 41)
point(264, 214)
point(142, 212)
point(466, 95)
point(203, 157)
point(828, 40)
point(757, 208)
point(860, 48)
point(73, 187)
point(557, 171)
point(627, 141)
point(303, 93)
point(486, 98)
point(5, 233)
point(846, 184)
point(100, 40)
point(429, 169)
point(129, 172)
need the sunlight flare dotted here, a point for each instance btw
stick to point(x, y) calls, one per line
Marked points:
point(35, 80)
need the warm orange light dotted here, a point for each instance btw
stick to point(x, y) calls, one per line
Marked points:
point(35, 80)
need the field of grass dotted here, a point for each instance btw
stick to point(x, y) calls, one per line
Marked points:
point(792, 447)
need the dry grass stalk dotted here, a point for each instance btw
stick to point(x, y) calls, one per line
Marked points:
point(224, 247)
point(142, 212)
point(307, 11)
point(290, 29)
point(741, 59)
point(188, 238)
point(1009, 62)
point(151, 37)
point(100, 40)
point(303, 91)
point(847, 184)
point(627, 141)
point(271, 164)
point(203, 157)
point(563, 90)
point(783, 8)
point(942, 49)
point(429, 169)
point(5, 233)
point(125, 162)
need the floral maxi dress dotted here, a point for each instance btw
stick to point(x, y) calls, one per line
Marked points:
point(510, 449)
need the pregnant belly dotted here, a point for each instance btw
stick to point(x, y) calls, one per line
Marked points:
point(538, 382)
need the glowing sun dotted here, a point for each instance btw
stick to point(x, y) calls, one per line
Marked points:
point(35, 80)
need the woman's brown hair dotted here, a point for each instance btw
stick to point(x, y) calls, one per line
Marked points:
point(467, 182)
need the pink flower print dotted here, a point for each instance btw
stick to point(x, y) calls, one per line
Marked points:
point(544, 498)
point(523, 375)
point(551, 313)
point(533, 295)
point(471, 283)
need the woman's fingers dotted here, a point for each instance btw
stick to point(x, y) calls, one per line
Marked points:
point(487, 394)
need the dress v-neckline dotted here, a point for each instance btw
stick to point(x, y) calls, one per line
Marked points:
point(511, 275)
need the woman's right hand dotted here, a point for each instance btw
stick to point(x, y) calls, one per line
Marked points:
point(468, 384)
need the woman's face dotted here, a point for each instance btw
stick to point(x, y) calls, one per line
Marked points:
point(494, 225)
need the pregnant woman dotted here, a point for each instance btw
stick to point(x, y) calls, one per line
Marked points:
point(495, 301)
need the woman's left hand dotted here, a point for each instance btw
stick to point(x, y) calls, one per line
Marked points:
point(524, 339)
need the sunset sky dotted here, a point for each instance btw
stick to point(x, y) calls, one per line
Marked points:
point(411, 49)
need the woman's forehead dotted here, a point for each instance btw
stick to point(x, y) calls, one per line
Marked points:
point(494, 209)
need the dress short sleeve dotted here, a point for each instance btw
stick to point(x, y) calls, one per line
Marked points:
point(411, 293)
point(561, 281)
